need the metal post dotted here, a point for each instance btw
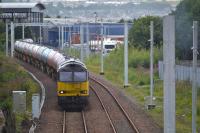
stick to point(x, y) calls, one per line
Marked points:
point(102, 49)
point(40, 34)
point(88, 39)
point(62, 42)
point(169, 74)
point(126, 54)
point(82, 41)
point(194, 76)
point(64, 35)
point(151, 105)
point(105, 33)
point(59, 36)
point(69, 36)
point(12, 38)
point(6, 39)
point(23, 31)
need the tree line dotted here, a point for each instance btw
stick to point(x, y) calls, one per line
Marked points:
point(186, 12)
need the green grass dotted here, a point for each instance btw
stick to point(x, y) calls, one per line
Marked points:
point(14, 77)
point(139, 80)
point(72, 52)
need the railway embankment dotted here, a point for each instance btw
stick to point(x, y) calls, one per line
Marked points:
point(13, 77)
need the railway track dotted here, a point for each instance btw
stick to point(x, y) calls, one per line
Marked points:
point(104, 108)
point(52, 117)
point(84, 124)
point(133, 126)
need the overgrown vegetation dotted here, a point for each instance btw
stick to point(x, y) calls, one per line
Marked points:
point(14, 77)
point(139, 80)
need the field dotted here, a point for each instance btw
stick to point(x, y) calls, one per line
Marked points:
point(139, 84)
point(14, 77)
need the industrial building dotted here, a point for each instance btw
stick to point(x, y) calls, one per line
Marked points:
point(114, 31)
point(22, 12)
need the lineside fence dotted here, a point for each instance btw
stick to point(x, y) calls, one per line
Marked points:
point(181, 72)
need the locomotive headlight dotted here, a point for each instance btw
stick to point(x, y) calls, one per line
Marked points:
point(61, 92)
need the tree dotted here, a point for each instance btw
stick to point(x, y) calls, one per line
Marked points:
point(58, 16)
point(139, 34)
point(122, 21)
point(186, 12)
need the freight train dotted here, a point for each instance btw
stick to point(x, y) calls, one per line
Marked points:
point(70, 74)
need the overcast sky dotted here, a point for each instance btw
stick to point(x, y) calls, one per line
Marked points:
point(99, 0)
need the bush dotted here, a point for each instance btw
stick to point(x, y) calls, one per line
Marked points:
point(6, 103)
point(141, 57)
point(141, 83)
point(6, 76)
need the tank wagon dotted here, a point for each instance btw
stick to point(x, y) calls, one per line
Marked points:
point(70, 74)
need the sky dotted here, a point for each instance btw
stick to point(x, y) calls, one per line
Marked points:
point(82, 0)
point(105, 0)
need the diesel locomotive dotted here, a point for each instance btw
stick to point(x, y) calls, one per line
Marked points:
point(70, 74)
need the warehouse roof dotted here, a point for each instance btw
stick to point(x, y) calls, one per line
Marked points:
point(21, 5)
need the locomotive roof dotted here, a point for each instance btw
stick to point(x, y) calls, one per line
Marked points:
point(71, 61)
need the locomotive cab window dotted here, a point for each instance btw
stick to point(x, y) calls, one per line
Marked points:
point(65, 76)
point(73, 73)
point(73, 76)
point(80, 76)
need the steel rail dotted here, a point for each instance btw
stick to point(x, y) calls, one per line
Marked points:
point(64, 123)
point(119, 105)
point(103, 106)
point(84, 122)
